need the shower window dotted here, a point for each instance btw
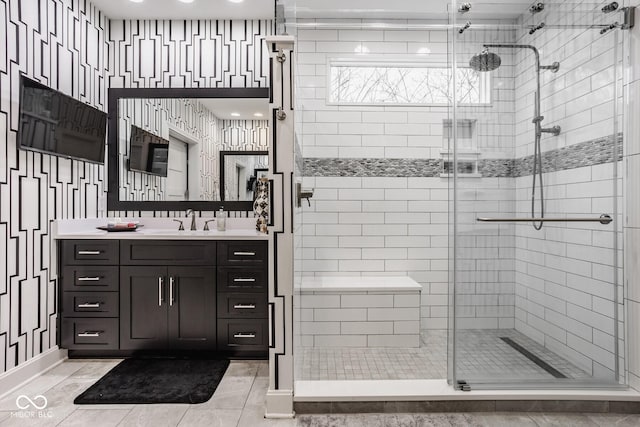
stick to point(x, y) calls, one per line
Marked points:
point(357, 83)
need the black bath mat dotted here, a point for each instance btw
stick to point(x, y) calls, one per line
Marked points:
point(150, 380)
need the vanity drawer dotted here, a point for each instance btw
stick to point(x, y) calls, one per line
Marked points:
point(241, 335)
point(242, 252)
point(242, 279)
point(90, 278)
point(90, 334)
point(167, 252)
point(90, 252)
point(249, 305)
point(90, 304)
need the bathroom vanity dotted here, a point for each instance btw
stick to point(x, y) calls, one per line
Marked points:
point(158, 290)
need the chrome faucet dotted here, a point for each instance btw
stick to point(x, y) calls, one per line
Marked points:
point(193, 219)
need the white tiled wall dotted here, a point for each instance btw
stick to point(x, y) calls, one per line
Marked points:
point(396, 225)
point(564, 273)
point(360, 319)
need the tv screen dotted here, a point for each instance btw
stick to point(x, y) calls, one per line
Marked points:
point(54, 123)
point(148, 153)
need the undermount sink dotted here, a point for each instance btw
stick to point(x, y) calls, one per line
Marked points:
point(174, 232)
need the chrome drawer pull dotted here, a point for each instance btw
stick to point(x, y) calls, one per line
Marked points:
point(89, 334)
point(245, 306)
point(244, 253)
point(89, 305)
point(240, 279)
point(88, 279)
point(244, 335)
point(89, 252)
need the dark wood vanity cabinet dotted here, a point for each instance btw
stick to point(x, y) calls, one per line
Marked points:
point(167, 308)
point(242, 297)
point(89, 298)
point(165, 295)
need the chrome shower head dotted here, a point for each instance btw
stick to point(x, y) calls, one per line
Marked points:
point(485, 61)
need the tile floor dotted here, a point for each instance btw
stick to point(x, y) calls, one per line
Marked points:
point(239, 402)
point(482, 355)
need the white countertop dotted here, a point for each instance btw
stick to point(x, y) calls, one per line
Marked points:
point(158, 229)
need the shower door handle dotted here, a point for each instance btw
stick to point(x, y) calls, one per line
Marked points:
point(602, 219)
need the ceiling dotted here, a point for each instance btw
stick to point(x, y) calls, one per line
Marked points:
point(330, 9)
point(246, 107)
point(402, 9)
point(199, 9)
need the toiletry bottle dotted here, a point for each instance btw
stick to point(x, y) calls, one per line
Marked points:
point(221, 220)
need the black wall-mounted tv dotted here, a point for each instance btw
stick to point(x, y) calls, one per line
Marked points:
point(52, 122)
point(148, 152)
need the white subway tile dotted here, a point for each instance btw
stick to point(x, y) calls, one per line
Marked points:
point(340, 315)
point(366, 328)
point(361, 241)
point(361, 194)
point(320, 301)
point(338, 253)
point(340, 341)
point(320, 328)
point(384, 253)
point(411, 300)
point(366, 301)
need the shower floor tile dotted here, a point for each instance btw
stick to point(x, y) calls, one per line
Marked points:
point(482, 355)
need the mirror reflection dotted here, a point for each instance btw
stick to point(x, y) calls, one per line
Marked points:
point(170, 148)
point(240, 174)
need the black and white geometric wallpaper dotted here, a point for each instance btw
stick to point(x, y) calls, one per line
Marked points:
point(62, 44)
point(71, 46)
point(165, 54)
point(249, 135)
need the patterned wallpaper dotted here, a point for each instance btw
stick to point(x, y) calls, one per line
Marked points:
point(71, 46)
point(62, 44)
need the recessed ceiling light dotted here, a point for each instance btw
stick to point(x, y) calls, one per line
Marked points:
point(236, 1)
point(235, 114)
point(136, 1)
point(185, 1)
point(258, 114)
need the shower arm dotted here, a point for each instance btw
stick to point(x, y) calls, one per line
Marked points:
point(538, 67)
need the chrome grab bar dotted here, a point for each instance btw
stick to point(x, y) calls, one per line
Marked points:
point(602, 219)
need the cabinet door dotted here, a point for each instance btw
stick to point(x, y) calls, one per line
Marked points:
point(192, 308)
point(143, 309)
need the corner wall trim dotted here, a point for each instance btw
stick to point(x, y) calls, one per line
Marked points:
point(26, 371)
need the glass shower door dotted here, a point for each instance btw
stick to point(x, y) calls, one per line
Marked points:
point(535, 295)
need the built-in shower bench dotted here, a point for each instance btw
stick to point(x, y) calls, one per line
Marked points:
point(360, 311)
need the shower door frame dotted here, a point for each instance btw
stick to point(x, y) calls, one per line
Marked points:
point(620, 381)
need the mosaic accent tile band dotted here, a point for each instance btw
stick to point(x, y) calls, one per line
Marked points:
point(588, 153)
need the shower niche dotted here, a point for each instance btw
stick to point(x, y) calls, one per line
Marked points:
point(467, 153)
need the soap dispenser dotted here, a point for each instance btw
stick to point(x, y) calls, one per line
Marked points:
point(221, 220)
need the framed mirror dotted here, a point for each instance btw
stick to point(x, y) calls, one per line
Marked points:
point(165, 147)
point(239, 174)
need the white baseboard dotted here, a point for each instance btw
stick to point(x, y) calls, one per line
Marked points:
point(24, 372)
point(279, 404)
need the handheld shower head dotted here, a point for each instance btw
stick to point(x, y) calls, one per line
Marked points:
point(485, 61)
